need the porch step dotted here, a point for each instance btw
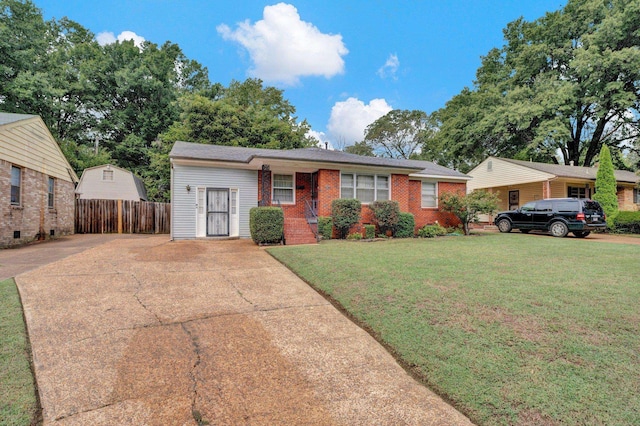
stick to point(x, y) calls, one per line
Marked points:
point(297, 231)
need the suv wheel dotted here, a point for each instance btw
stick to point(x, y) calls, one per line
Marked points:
point(504, 225)
point(559, 229)
point(581, 234)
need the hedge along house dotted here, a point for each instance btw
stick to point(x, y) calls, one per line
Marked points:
point(36, 182)
point(519, 182)
point(214, 187)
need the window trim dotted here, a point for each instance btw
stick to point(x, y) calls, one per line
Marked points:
point(19, 186)
point(435, 195)
point(636, 195)
point(107, 171)
point(354, 188)
point(293, 187)
point(51, 192)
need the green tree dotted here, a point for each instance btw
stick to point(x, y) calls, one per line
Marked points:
point(360, 148)
point(468, 207)
point(565, 83)
point(244, 114)
point(606, 185)
point(398, 134)
point(345, 213)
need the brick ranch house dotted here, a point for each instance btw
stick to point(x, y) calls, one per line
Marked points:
point(37, 183)
point(214, 187)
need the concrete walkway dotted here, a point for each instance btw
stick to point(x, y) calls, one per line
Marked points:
point(143, 331)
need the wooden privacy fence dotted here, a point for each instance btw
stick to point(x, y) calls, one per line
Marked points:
point(122, 216)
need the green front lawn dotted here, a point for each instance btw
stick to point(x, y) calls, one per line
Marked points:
point(511, 328)
point(18, 404)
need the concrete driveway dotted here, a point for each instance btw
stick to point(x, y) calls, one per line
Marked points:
point(147, 331)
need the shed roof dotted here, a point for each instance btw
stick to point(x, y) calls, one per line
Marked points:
point(9, 117)
point(188, 150)
point(577, 172)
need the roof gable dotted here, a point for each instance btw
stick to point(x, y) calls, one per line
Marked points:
point(577, 172)
point(26, 142)
point(91, 180)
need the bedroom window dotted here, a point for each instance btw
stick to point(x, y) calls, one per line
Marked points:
point(366, 188)
point(429, 194)
point(283, 189)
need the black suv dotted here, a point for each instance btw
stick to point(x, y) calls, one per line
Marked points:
point(556, 215)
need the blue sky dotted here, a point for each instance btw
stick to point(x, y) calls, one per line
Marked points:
point(341, 63)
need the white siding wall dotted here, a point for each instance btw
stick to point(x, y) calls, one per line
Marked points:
point(183, 222)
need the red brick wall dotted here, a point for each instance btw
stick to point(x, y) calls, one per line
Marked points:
point(328, 190)
point(427, 216)
point(400, 191)
point(303, 193)
point(33, 210)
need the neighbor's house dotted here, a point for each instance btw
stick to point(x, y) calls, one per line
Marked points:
point(214, 187)
point(108, 182)
point(36, 181)
point(519, 182)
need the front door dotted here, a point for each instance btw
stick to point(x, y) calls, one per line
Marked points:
point(217, 212)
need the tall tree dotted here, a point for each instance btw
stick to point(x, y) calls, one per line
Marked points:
point(606, 185)
point(398, 134)
point(360, 148)
point(565, 84)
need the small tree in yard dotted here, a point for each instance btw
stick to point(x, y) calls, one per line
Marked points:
point(467, 207)
point(606, 185)
point(386, 214)
point(345, 213)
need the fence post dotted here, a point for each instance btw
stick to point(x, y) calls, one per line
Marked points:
point(119, 216)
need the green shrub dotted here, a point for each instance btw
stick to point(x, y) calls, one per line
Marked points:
point(266, 224)
point(405, 226)
point(325, 227)
point(345, 213)
point(430, 231)
point(354, 236)
point(369, 232)
point(385, 214)
point(627, 222)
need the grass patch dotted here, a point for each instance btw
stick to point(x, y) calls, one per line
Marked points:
point(512, 328)
point(18, 403)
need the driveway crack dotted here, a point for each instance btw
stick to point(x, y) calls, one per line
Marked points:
point(197, 416)
point(145, 307)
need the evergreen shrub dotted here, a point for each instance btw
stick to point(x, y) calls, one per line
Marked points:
point(266, 224)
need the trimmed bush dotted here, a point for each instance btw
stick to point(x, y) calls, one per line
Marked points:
point(627, 222)
point(345, 213)
point(266, 224)
point(385, 214)
point(405, 226)
point(431, 231)
point(354, 236)
point(369, 232)
point(325, 227)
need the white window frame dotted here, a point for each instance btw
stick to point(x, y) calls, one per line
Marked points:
point(354, 188)
point(51, 192)
point(435, 196)
point(292, 188)
point(19, 186)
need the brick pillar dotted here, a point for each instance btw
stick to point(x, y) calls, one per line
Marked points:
point(265, 187)
point(328, 190)
point(400, 191)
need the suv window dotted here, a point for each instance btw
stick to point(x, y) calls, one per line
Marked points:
point(567, 206)
point(529, 207)
point(592, 205)
point(544, 206)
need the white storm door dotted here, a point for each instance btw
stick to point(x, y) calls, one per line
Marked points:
point(234, 222)
point(201, 213)
point(217, 212)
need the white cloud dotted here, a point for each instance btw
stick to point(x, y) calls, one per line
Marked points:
point(107, 37)
point(284, 48)
point(390, 68)
point(321, 138)
point(350, 118)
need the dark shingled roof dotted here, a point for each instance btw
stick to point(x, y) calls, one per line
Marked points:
point(8, 117)
point(578, 172)
point(187, 150)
